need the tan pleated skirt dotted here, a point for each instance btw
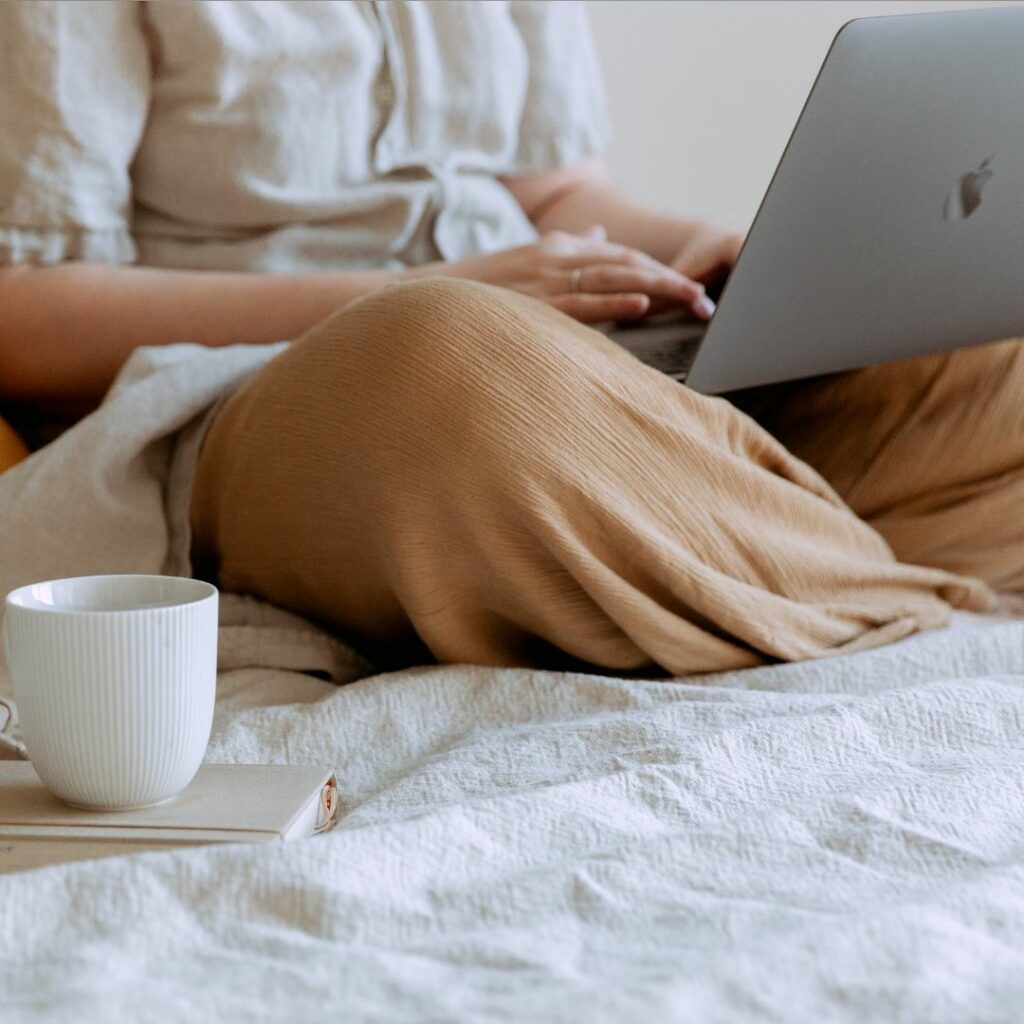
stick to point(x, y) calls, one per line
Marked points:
point(448, 470)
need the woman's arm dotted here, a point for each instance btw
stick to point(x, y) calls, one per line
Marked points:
point(574, 198)
point(66, 330)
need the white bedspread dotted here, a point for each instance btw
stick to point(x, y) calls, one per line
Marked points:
point(827, 842)
point(838, 841)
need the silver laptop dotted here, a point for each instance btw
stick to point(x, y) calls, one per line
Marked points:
point(894, 224)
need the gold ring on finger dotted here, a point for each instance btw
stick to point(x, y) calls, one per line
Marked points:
point(576, 279)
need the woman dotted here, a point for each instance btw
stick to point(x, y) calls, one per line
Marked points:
point(453, 464)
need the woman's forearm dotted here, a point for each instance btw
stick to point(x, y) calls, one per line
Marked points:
point(66, 330)
point(578, 198)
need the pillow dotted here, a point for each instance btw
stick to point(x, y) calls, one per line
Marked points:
point(12, 448)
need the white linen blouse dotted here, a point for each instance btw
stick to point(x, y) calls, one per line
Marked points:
point(284, 136)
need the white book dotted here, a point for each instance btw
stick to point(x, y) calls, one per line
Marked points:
point(223, 804)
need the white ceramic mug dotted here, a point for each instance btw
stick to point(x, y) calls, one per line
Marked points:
point(114, 680)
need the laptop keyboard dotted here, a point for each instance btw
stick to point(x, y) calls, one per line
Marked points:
point(668, 344)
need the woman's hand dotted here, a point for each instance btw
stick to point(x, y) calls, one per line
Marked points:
point(585, 276)
point(708, 254)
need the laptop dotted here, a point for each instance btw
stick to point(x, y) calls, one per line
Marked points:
point(894, 224)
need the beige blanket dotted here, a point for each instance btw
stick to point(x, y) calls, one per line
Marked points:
point(111, 495)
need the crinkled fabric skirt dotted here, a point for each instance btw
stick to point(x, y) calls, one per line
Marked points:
point(449, 470)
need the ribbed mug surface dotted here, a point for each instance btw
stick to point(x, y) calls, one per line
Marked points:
point(114, 680)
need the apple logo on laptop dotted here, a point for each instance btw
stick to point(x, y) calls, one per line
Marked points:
point(965, 196)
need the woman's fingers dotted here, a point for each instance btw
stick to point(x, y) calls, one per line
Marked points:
point(608, 267)
point(592, 247)
point(589, 264)
point(597, 250)
point(659, 283)
point(596, 309)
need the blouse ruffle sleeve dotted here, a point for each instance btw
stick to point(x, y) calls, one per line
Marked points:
point(74, 87)
point(564, 119)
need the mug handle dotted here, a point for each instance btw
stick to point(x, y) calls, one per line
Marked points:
point(6, 707)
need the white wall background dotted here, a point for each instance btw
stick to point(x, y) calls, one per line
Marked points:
point(703, 96)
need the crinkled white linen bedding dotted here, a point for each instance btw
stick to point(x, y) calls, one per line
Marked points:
point(832, 841)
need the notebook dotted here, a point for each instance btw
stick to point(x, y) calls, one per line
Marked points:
point(222, 804)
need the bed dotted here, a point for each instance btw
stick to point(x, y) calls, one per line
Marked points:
point(840, 840)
